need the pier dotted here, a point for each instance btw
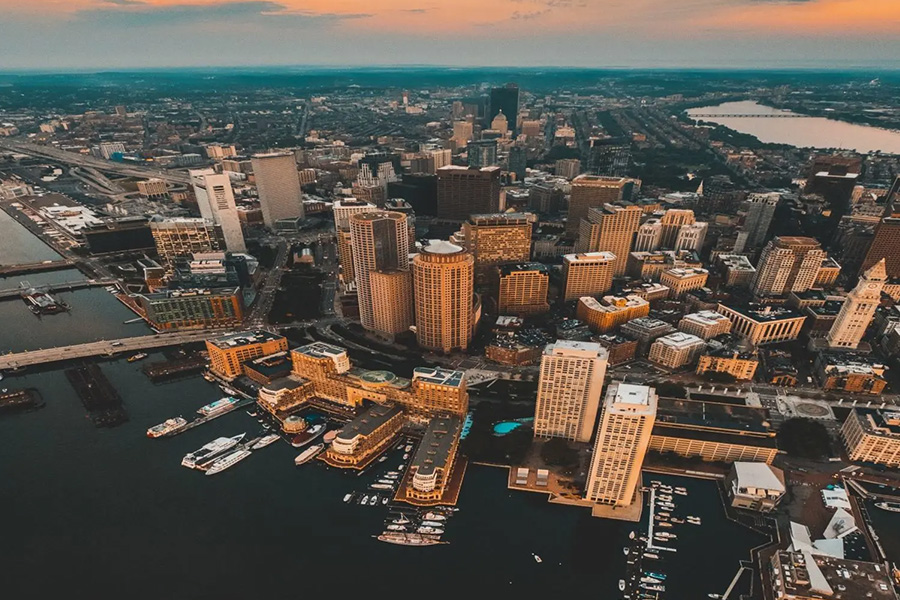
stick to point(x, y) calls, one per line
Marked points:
point(201, 420)
point(39, 267)
point(66, 286)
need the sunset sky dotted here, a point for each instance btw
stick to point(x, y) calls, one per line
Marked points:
point(66, 34)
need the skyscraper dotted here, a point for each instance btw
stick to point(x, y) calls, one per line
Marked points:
point(498, 238)
point(609, 156)
point(392, 300)
point(517, 162)
point(886, 243)
point(623, 436)
point(482, 153)
point(788, 264)
point(342, 209)
point(278, 184)
point(569, 389)
point(462, 192)
point(443, 291)
point(760, 211)
point(858, 309)
point(590, 191)
point(218, 203)
point(380, 241)
point(671, 223)
point(610, 228)
point(506, 99)
point(587, 274)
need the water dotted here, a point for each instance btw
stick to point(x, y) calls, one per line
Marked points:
point(812, 132)
point(20, 246)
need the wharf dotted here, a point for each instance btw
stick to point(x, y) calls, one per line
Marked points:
point(99, 397)
point(201, 420)
point(26, 399)
point(170, 369)
point(451, 491)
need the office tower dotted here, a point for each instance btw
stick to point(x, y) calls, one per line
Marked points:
point(342, 209)
point(671, 223)
point(648, 236)
point(392, 300)
point(498, 238)
point(760, 211)
point(788, 264)
point(192, 309)
point(532, 128)
point(569, 389)
point(443, 291)
point(506, 100)
point(691, 237)
point(590, 191)
point(886, 242)
point(441, 157)
point(604, 316)
point(610, 228)
point(462, 133)
point(516, 162)
point(858, 309)
point(587, 274)
point(380, 242)
point(278, 185)
point(197, 183)
point(181, 237)
point(374, 193)
point(568, 168)
point(420, 190)
point(609, 156)
point(623, 436)
point(501, 123)
point(218, 203)
point(482, 153)
point(462, 192)
point(522, 289)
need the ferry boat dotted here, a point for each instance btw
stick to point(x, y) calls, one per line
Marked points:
point(197, 458)
point(308, 454)
point(304, 437)
point(889, 506)
point(220, 406)
point(168, 426)
point(266, 441)
point(408, 539)
point(42, 303)
point(227, 461)
point(137, 357)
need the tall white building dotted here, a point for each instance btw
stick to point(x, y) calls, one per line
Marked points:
point(788, 264)
point(760, 211)
point(569, 390)
point(858, 309)
point(623, 437)
point(215, 199)
point(278, 183)
point(199, 184)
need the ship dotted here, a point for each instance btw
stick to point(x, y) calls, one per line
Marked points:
point(207, 453)
point(304, 437)
point(408, 539)
point(227, 461)
point(137, 357)
point(432, 523)
point(42, 303)
point(889, 506)
point(308, 454)
point(265, 441)
point(166, 427)
point(220, 406)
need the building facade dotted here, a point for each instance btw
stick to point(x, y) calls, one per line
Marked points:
point(228, 353)
point(443, 283)
point(588, 274)
point(858, 309)
point(380, 242)
point(278, 184)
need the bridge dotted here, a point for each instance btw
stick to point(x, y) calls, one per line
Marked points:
point(755, 116)
point(40, 267)
point(17, 360)
point(66, 286)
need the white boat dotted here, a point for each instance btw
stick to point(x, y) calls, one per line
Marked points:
point(387, 481)
point(393, 473)
point(166, 427)
point(220, 406)
point(626, 550)
point(382, 458)
point(401, 467)
point(888, 506)
point(664, 524)
point(384, 501)
point(631, 535)
point(408, 448)
point(651, 555)
point(403, 520)
point(537, 558)
point(265, 441)
point(207, 453)
point(432, 523)
point(433, 516)
point(406, 456)
point(227, 461)
point(714, 596)
point(430, 530)
point(308, 454)
point(347, 497)
point(396, 528)
point(653, 587)
point(381, 486)
point(621, 585)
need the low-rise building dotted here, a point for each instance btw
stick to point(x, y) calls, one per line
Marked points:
point(676, 350)
point(610, 312)
point(432, 464)
point(682, 281)
point(649, 291)
point(620, 348)
point(807, 576)
point(763, 324)
point(872, 436)
point(724, 356)
point(828, 273)
point(737, 270)
point(192, 308)
point(645, 330)
point(755, 486)
point(853, 373)
point(285, 394)
point(651, 265)
point(360, 440)
point(228, 353)
point(705, 324)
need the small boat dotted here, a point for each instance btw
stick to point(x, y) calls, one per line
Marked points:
point(658, 576)
point(166, 427)
point(626, 550)
point(433, 516)
point(652, 555)
point(387, 481)
point(381, 486)
point(396, 528)
point(653, 587)
point(348, 497)
point(432, 523)
point(266, 441)
point(889, 506)
point(537, 558)
point(403, 520)
point(364, 501)
point(663, 514)
point(664, 524)
point(406, 456)
point(631, 535)
point(401, 467)
point(384, 501)
point(308, 454)
point(677, 521)
point(382, 458)
point(621, 585)
point(393, 473)
point(681, 490)
point(408, 448)
point(252, 413)
point(374, 500)
point(714, 596)
point(137, 357)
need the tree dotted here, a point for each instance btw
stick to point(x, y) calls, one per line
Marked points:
point(804, 438)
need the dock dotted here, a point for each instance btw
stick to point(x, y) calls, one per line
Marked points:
point(201, 420)
point(99, 397)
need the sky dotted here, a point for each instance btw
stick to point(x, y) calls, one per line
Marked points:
point(103, 34)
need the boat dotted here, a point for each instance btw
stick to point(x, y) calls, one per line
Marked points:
point(401, 467)
point(308, 454)
point(209, 378)
point(652, 555)
point(220, 406)
point(408, 448)
point(664, 498)
point(384, 501)
point(227, 461)
point(681, 490)
point(432, 523)
point(626, 550)
point(266, 441)
point(408, 539)
point(664, 514)
point(889, 506)
point(374, 500)
point(393, 527)
point(715, 596)
point(304, 437)
point(433, 516)
point(621, 585)
point(430, 530)
point(348, 497)
point(537, 558)
point(166, 427)
point(382, 458)
point(403, 520)
point(42, 303)
point(659, 576)
point(393, 473)
point(406, 456)
point(365, 500)
point(227, 390)
point(252, 413)
point(329, 436)
point(387, 481)
point(137, 357)
point(677, 521)
point(653, 587)
point(664, 524)
point(631, 535)
point(210, 451)
point(381, 486)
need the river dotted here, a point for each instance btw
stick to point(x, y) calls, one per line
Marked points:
point(807, 132)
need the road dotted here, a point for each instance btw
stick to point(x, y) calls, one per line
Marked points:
point(105, 347)
point(258, 316)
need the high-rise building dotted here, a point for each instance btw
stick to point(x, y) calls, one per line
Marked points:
point(342, 209)
point(517, 162)
point(858, 309)
point(587, 274)
point(219, 206)
point(197, 183)
point(591, 191)
point(462, 132)
point(788, 264)
point(623, 436)
point(691, 237)
point(760, 212)
point(497, 238)
point(482, 153)
point(278, 184)
point(886, 242)
point(568, 168)
point(609, 156)
point(671, 223)
point(181, 237)
point(506, 99)
point(610, 228)
point(443, 282)
point(569, 390)
point(462, 192)
point(522, 289)
point(380, 241)
point(648, 236)
point(392, 300)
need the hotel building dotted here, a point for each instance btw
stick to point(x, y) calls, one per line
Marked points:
point(587, 274)
point(443, 282)
point(228, 353)
point(380, 242)
point(363, 438)
point(522, 289)
point(431, 467)
point(610, 228)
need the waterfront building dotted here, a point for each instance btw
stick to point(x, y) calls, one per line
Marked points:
point(588, 274)
point(788, 264)
point(859, 309)
point(181, 237)
point(278, 184)
point(609, 228)
point(622, 440)
point(443, 276)
point(392, 300)
point(342, 209)
point(322, 364)
point(755, 486)
point(215, 198)
point(763, 324)
point(462, 191)
point(192, 308)
point(705, 324)
point(380, 242)
point(228, 353)
point(682, 281)
point(118, 235)
point(522, 289)
point(438, 390)
point(805, 575)
point(676, 350)
point(569, 388)
point(281, 396)
point(737, 270)
point(849, 373)
point(431, 467)
point(610, 312)
point(872, 436)
point(363, 438)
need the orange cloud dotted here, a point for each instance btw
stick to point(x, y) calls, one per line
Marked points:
point(815, 17)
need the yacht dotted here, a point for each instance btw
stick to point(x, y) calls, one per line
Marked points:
point(227, 461)
point(220, 406)
point(433, 516)
point(889, 506)
point(537, 558)
point(207, 453)
point(308, 454)
point(621, 585)
point(265, 441)
point(166, 427)
point(381, 486)
point(408, 539)
point(348, 497)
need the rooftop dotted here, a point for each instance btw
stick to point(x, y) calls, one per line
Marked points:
point(764, 313)
point(523, 267)
point(629, 393)
point(436, 375)
point(434, 449)
point(244, 338)
point(590, 256)
point(758, 475)
point(369, 421)
point(613, 303)
point(680, 340)
point(442, 247)
point(804, 575)
point(706, 317)
point(321, 350)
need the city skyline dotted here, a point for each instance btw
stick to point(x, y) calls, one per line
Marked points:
point(834, 34)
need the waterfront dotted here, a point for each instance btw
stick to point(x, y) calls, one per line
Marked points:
point(20, 246)
point(809, 132)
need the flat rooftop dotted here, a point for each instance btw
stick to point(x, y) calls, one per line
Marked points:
point(735, 419)
point(244, 338)
point(321, 350)
point(680, 340)
point(805, 575)
point(764, 313)
point(590, 256)
point(369, 421)
point(434, 449)
point(436, 375)
point(629, 393)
